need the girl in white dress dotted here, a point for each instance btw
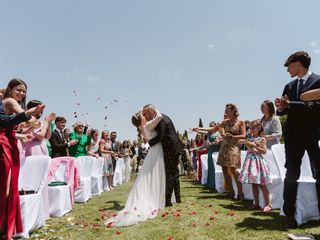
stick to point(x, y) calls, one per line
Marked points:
point(147, 195)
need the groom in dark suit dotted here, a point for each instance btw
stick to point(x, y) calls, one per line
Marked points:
point(172, 149)
point(301, 130)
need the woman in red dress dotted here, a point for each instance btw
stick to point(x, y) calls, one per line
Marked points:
point(201, 150)
point(13, 103)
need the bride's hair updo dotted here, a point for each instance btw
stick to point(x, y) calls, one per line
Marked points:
point(136, 121)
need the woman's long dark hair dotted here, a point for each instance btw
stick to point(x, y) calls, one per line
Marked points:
point(136, 121)
point(12, 84)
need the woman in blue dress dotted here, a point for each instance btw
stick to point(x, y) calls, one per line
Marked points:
point(213, 145)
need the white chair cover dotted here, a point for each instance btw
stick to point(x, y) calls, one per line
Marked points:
point(33, 176)
point(96, 176)
point(59, 196)
point(204, 163)
point(118, 172)
point(83, 193)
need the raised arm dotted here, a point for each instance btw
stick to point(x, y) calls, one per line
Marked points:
point(161, 130)
point(154, 122)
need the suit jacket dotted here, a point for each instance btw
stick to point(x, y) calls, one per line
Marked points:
point(303, 118)
point(11, 120)
point(167, 135)
point(58, 145)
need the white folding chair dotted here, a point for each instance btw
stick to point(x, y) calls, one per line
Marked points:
point(96, 176)
point(83, 193)
point(118, 172)
point(204, 165)
point(33, 177)
point(60, 201)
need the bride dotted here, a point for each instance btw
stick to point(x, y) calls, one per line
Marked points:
point(147, 195)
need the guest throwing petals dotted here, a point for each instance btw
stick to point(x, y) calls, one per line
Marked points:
point(229, 154)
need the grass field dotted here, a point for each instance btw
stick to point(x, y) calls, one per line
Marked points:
point(201, 215)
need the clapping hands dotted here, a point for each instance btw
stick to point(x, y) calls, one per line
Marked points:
point(282, 103)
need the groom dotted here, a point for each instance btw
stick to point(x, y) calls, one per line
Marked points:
point(172, 149)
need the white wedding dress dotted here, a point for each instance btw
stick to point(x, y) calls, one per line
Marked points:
point(147, 194)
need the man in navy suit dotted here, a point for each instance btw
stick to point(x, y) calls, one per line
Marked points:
point(301, 131)
point(58, 142)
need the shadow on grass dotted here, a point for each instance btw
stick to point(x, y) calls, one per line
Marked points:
point(272, 221)
point(237, 206)
point(272, 224)
point(116, 206)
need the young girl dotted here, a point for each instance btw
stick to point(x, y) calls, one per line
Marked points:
point(255, 169)
point(125, 154)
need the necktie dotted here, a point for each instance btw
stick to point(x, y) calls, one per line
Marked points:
point(300, 86)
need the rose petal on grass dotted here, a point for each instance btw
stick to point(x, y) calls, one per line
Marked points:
point(207, 224)
point(170, 238)
point(114, 215)
point(231, 213)
point(216, 212)
point(193, 213)
point(118, 233)
point(211, 218)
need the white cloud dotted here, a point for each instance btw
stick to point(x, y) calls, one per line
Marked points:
point(210, 46)
point(313, 44)
point(82, 76)
point(92, 79)
point(316, 51)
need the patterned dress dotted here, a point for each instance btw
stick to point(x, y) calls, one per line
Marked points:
point(229, 154)
point(255, 169)
point(108, 165)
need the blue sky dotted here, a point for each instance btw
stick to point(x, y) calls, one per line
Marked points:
point(189, 58)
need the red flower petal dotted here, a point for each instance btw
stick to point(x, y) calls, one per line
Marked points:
point(207, 224)
point(170, 238)
point(193, 213)
point(118, 233)
point(211, 218)
point(96, 225)
point(231, 212)
point(114, 215)
point(125, 213)
point(216, 212)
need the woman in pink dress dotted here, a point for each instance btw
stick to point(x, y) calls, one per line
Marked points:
point(40, 132)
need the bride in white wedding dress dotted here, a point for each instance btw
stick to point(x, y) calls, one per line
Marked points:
point(147, 194)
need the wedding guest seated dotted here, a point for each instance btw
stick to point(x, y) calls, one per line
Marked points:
point(93, 149)
point(80, 148)
point(40, 132)
point(58, 140)
point(271, 124)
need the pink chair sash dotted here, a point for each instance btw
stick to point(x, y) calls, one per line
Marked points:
point(71, 173)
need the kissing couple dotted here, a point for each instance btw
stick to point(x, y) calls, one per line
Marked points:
point(157, 184)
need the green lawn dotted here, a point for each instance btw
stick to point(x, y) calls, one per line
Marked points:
point(201, 215)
